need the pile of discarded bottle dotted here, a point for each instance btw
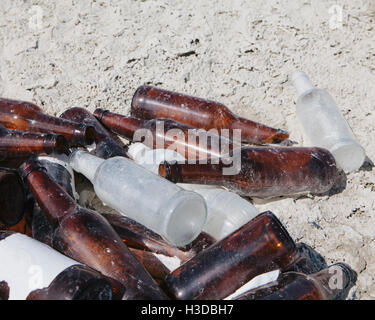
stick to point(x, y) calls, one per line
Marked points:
point(185, 228)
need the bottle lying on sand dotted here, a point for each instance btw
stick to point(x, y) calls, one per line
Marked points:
point(107, 144)
point(262, 171)
point(226, 211)
point(324, 124)
point(153, 103)
point(31, 270)
point(328, 284)
point(177, 215)
point(12, 198)
point(25, 116)
point(87, 237)
point(21, 145)
point(221, 269)
point(190, 142)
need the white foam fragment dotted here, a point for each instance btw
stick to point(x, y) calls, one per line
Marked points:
point(256, 282)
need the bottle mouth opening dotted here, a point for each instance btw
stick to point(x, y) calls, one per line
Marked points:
point(13, 202)
point(89, 134)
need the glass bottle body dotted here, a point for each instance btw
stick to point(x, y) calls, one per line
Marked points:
point(260, 246)
point(151, 103)
point(165, 208)
point(325, 126)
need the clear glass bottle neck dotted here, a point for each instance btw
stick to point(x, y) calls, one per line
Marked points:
point(85, 163)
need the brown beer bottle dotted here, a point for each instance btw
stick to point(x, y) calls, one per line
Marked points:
point(151, 103)
point(33, 121)
point(190, 142)
point(41, 229)
point(137, 236)
point(107, 144)
point(261, 245)
point(33, 271)
point(262, 171)
point(328, 284)
point(12, 198)
point(4, 291)
point(87, 237)
point(18, 107)
point(18, 144)
point(63, 175)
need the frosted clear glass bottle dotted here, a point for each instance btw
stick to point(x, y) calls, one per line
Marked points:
point(226, 211)
point(324, 125)
point(176, 214)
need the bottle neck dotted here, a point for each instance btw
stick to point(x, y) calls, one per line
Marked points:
point(124, 126)
point(85, 163)
point(52, 199)
point(301, 82)
point(192, 173)
point(253, 132)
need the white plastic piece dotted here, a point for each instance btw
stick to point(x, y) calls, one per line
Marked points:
point(254, 283)
point(324, 125)
point(172, 263)
point(226, 211)
point(176, 214)
point(27, 265)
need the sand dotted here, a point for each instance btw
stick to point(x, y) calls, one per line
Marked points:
point(241, 53)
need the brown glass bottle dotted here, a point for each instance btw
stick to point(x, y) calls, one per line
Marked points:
point(4, 291)
point(18, 144)
point(87, 237)
point(261, 245)
point(298, 286)
point(18, 107)
point(42, 230)
point(151, 103)
point(75, 133)
point(74, 282)
point(262, 171)
point(25, 224)
point(12, 198)
point(107, 144)
point(136, 236)
point(165, 133)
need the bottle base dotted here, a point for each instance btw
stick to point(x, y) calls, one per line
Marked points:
point(349, 156)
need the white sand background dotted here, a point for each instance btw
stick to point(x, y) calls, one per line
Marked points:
point(96, 53)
